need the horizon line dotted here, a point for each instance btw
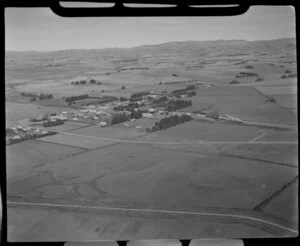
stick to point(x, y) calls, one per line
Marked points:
point(142, 45)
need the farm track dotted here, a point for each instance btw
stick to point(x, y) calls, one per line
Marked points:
point(230, 216)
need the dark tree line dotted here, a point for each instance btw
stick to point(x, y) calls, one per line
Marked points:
point(245, 74)
point(169, 122)
point(34, 96)
point(136, 114)
point(178, 104)
point(49, 123)
point(83, 82)
point(119, 118)
point(74, 98)
point(138, 96)
point(288, 75)
point(189, 90)
point(28, 137)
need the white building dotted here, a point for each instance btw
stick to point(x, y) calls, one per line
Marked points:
point(147, 115)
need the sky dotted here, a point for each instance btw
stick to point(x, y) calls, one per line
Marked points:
point(41, 30)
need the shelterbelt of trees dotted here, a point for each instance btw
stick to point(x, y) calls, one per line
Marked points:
point(83, 82)
point(170, 121)
point(175, 104)
point(35, 96)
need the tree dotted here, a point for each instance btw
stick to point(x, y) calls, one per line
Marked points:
point(123, 87)
point(160, 83)
point(102, 91)
point(259, 79)
point(233, 82)
point(271, 100)
point(92, 81)
point(283, 76)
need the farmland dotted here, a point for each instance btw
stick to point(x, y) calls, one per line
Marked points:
point(230, 170)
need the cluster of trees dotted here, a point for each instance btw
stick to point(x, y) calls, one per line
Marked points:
point(233, 82)
point(289, 75)
point(43, 96)
point(28, 137)
point(129, 107)
point(189, 90)
point(160, 99)
point(259, 79)
point(245, 74)
point(34, 96)
point(83, 82)
point(136, 114)
point(138, 96)
point(119, 118)
point(49, 123)
point(169, 122)
point(123, 99)
point(74, 98)
point(178, 104)
point(271, 100)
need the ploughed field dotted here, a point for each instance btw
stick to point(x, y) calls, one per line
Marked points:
point(195, 167)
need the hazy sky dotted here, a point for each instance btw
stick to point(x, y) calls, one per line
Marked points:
point(40, 29)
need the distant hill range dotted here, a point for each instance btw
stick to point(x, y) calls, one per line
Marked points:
point(183, 48)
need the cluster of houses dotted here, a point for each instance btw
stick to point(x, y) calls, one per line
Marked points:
point(21, 133)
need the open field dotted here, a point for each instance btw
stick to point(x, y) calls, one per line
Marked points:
point(76, 141)
point(23, 157)
point(246, 104)
point(129, 174)
point(204, 131)
point(117, 131)
point(107, 226)
point(64, 127)
point(285, 154)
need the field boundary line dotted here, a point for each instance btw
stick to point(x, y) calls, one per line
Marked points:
point(269, 199)
point(260, 160)
point(270, 96)
point(158, 211)
point(67, 145)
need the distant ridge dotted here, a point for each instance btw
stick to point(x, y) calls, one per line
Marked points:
point(170, 43)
